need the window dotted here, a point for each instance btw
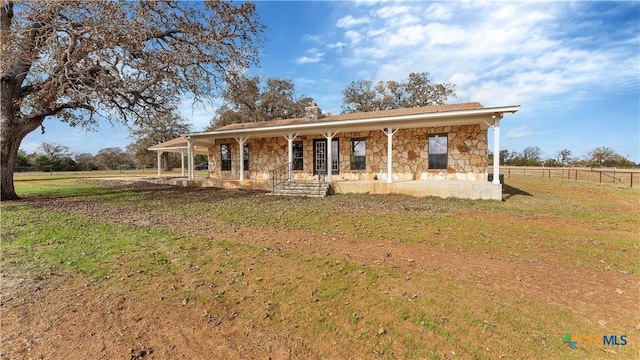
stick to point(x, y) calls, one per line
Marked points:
point(358, 149)
point(335, 156)
point(246, 157)
point(297, 156)
point(225, 157)
point(438, 151)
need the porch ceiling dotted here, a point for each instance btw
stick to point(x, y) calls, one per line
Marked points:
point(482, 116)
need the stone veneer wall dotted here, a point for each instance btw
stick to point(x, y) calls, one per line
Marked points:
point(467, 160)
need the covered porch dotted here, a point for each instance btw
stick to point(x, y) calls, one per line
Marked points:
point(390, 147)
point(379, 152)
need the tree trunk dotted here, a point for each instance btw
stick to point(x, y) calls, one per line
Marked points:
point(7, 164)
point(12, 131)
point(10, 139)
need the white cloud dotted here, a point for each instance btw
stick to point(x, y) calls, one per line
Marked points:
point(307, 60)
point(353, 37)
point(396, 71)
point(351, 61)
point(406, 36)
point(438, 11)
point(441, 34)
point(349, 21)
point(337, 45)
point(403, 20)
point(376, 32)
point(313, 56)
point(392, 11)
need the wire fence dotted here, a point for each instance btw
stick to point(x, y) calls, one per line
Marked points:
point(623, 177)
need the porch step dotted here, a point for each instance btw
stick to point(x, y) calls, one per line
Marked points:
point(302, 189)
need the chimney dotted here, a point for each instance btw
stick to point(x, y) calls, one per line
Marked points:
point(312, 113)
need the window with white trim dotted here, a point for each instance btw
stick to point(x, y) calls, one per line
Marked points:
point(225, 157)
point(438, 151)
point(358, 158)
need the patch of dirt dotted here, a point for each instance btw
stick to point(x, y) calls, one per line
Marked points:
point(62, 316)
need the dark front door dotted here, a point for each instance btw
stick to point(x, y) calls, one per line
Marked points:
point(320, 156)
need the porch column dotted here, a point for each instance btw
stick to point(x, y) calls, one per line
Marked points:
point(329, 160)
point(189, 158)
point(182, 162)
point(290, 138)
point(389, 131)
point(241, 142)
point(159, 162)
point(496, 151)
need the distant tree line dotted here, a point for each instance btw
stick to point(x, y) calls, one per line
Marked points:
point(532, 156)
point(57, 157)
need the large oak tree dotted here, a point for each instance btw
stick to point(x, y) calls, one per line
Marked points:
point(417, 90)
point(250, 99)
point(163, 128)
point(80, 61)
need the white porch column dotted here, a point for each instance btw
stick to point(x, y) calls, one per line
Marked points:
point(290, 138)
point(496, 151)
point(241, 142)
point(159, 162)
point(182, 162)
point(329, 161)
point(190, 158)
point(389, 131)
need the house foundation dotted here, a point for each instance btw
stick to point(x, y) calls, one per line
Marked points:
point(459, 189)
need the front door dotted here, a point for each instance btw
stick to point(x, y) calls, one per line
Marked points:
point(320, 156)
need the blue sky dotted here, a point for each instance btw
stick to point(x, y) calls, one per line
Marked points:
point(574, 67)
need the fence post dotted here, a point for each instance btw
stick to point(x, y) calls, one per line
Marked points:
point(600, 171)
point(631, 179)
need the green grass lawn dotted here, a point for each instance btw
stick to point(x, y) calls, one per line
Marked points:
point(387, 276)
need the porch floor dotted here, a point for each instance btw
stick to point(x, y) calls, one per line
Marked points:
point(458, 189)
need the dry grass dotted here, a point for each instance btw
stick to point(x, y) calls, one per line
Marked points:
point(203, 272)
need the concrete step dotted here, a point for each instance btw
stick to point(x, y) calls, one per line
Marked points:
point(302, 189)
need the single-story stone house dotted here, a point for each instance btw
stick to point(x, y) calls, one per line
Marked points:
point(434, 150)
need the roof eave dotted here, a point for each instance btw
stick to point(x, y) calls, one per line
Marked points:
point(398, 120)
